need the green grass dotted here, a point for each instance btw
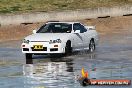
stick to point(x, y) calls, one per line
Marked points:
point(18, 6)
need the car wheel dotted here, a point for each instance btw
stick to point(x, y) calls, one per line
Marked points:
point(68, 48)
point(92, 46)
point(28, 56)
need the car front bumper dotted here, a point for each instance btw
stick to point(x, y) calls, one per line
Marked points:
point(47, 48)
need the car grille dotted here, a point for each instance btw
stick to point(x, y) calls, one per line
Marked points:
point(44, 49)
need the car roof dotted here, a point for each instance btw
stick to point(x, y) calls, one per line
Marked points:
point(62, 22)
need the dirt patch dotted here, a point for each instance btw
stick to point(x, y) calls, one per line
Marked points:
point(16, 32)
point(111, 25)
point(105, 26)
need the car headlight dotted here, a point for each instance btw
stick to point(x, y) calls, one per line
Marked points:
point(55, 41)
point(26, 41)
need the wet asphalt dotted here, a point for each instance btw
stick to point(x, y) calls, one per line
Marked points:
point(112, 59)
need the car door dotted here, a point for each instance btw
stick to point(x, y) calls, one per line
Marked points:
point(86, 36)
point(78, 37)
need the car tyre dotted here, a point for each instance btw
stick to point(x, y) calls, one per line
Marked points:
point(92, 46)
point(28, 56)
point(68, 48)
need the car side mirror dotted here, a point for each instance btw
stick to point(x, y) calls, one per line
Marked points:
point(77, 31)
point(34, 31)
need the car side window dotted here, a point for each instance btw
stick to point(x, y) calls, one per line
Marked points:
point(78, 26)
point(83, 28)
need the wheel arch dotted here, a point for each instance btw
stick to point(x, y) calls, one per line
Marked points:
point(92, 39)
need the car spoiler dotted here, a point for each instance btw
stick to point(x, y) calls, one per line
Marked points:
point(90, 27)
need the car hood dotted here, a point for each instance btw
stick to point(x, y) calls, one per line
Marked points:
point(46, 36)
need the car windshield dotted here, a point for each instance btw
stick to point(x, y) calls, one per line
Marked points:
point(56, 28)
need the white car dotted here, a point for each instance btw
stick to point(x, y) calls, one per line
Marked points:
point(60, 38)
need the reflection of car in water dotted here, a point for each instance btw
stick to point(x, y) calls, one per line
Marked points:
point(45, 68)
point(60, 37)
point(53, 71)
point(49, 72)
